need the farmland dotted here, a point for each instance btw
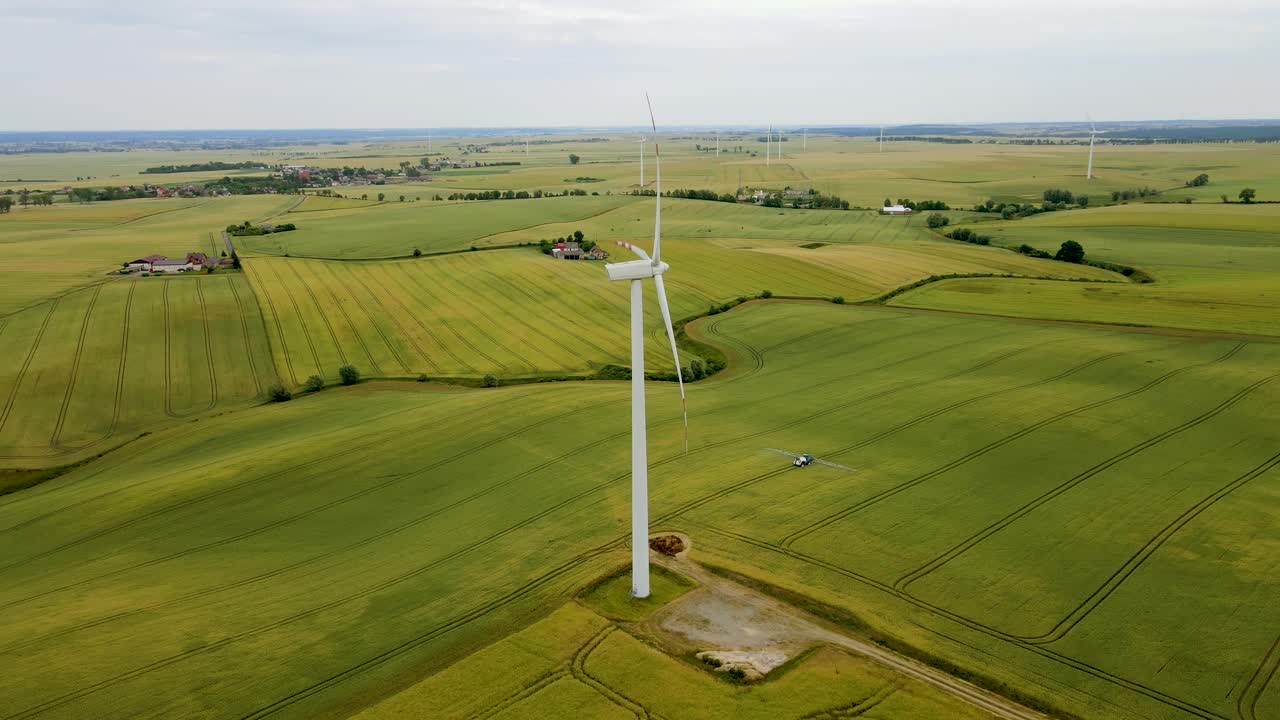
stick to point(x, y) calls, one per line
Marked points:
point(92, 368)
point(1079, 515)
point(1030, 498)
point(1214, 267)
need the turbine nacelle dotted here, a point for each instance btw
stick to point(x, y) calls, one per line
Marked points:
point(635, 269)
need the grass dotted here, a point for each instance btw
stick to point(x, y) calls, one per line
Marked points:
point(91, 369)
point(507, 312)
point(574, 662)
point(1215, 268)
point(48, 251)
point(611, 597)
point(1030, 500)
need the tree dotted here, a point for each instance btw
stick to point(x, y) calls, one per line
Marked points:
point(888, 202)
point(1071, 251)
point(401, 198)
point(573, 159)
point(313, 383)
point(937, 220)
point(382, 196)
point(698, 368)
point(1199, 180)
point(349, 374)
point(5, 204)
point(1082, 201)
point(577, 236)
point(279, 393)
point(490, 381)
point(417, 252)
point(235, 260)
point(766, 294)
point(1247, 195)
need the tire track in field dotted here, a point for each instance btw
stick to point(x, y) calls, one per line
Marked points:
point(1112, 583)
point(539, 684)
point(208, 350)
point(26, 364)
point(1247, 700)
point(578, 666)
point(278, 523)
point(975, 626)
point(368, 317)
point(101, 467)
point(530, 324)
point(445, 321)
point(55, 438)
point(1027, 508)
point(498, 310)
point(491, 606)
point(462, 620)
point(408, 524)
point(275, 317)
point(583, 299)
point(405, 308)
point(550, 338)
point(302, 323)
point(435, 367)
point(244, 328)
point(324, 317)
point(168, 358)
point(347, 317)
point(791, 538)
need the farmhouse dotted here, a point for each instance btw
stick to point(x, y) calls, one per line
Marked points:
point(596, 253)
point(161, 264)
point(567, 251)
point(895, 210)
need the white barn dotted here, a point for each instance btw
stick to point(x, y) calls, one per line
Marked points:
point(895, 210)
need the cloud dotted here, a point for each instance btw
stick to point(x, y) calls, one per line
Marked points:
point(232, 63)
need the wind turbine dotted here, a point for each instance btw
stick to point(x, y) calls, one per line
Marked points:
point(1093, 131)
point(881, 138)
point(635, 271)
point(779, 143)
point(526, 146)
point(641, 142)
point(768, 139)
point(717, 143)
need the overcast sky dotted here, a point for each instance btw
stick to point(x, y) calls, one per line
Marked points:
point(161, 64)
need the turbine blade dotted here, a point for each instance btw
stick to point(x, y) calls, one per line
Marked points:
point(657, 186)
point(675, 352)
point(637, 250)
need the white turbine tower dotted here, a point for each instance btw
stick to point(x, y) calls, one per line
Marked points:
point(641, 142)
point(717, 143)
point(635, 271)
point(881, 138)
point(1093, 131)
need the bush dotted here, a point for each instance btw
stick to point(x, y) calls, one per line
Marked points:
point(839, 299)
point(417, 252)
point(349, 374)
point(714, 662)
point(279, 393)
point(766, 294)
point(490, 381)
point(313, 383)
point(937, 220)
point(422, 378)
point(737, 673)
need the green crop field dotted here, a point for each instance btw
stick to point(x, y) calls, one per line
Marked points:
point(575, 663)
point(47, 251)
point(1086, 515)
point(519, 313)
point(1215, 268)
point(94, 367)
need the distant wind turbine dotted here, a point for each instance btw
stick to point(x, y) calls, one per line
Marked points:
point(1093, 131)
point(768, 140)
point(635, 271)
point(641, 142)
point(717, 143)
point(881, 138)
